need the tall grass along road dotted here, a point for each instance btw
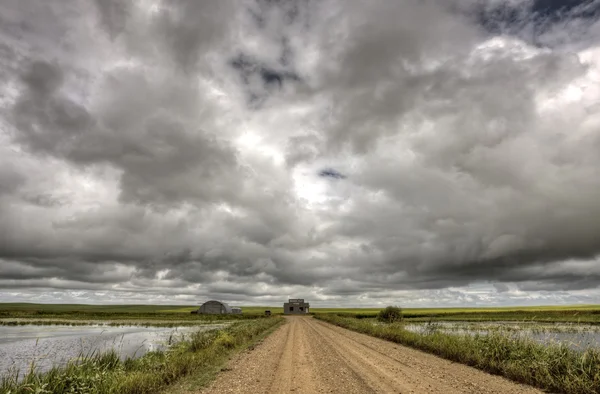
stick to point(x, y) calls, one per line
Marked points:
point(310, 356)
point(105, 373)
point(550, 366)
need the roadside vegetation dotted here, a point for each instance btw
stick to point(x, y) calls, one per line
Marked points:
point(391, 314)
point(202, 355)
point(552, 367)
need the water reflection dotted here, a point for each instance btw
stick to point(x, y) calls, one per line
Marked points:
point(47, 346)
point(575, 336)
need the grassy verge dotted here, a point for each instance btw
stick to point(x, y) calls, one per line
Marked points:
point(195, 382)
point(550, 367)
point(106, 373)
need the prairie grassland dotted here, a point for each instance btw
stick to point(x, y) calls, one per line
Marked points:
point(552, 367)
point(147, 322)
point(202, 356)
point(165, 316)
point(169, 313)
point(62, 308)
point(572, 314)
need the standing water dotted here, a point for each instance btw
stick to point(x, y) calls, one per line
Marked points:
point(48, 346)
point(574, 336)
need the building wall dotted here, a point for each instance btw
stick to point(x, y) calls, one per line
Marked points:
point(296, 308)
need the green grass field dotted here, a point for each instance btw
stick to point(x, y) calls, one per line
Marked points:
point(275, 309)
point(416, 311)
point(92, 308)
point(565, 313)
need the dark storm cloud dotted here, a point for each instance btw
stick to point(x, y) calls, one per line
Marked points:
point(113, 15)
point(331, 173)
point(249, 68)
point(541, 22)
point(264, 70)
point(132, 161)
point(143, 136)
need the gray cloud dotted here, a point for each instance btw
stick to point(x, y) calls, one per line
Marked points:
point(113, 16)
point(417, 152)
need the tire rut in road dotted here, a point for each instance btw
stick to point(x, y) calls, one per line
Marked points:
point(376, 370)
point(295, 372)
point(282, 380)
point(334, 373)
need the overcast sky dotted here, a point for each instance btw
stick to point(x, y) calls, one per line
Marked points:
point(350, 152)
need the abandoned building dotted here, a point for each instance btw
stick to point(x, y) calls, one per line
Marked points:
point(218, 308)
point(295, 306)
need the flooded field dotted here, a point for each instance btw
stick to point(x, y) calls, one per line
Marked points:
point(575, 336)
point(51, 345)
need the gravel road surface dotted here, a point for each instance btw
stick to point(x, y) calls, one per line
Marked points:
point(306, 355)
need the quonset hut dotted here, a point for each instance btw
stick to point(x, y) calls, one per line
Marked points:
point(213, 307)
point(295, 306)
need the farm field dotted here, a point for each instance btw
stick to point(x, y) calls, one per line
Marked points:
point(16, 314)
point(589, 314)
point(138, 309)
point(23, 313)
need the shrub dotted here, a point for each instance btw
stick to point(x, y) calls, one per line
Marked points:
point(390, 314)
point(225, 340)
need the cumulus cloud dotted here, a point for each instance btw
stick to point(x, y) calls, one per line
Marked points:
point(414, 152)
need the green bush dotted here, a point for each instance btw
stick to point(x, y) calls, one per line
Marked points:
point(225, 340)
point(391, 314)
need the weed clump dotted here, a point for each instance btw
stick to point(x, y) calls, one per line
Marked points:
point(225, 340)
point(391, 314)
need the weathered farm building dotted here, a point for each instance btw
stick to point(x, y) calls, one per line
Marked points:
point(295, 306)
point(213, 307)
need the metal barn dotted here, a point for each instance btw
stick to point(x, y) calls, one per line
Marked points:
point(213, 307)
point(295, 306)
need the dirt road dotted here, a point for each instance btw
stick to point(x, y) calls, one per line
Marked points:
point(309, 356)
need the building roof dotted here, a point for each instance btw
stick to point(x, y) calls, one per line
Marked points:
point(225, 305)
